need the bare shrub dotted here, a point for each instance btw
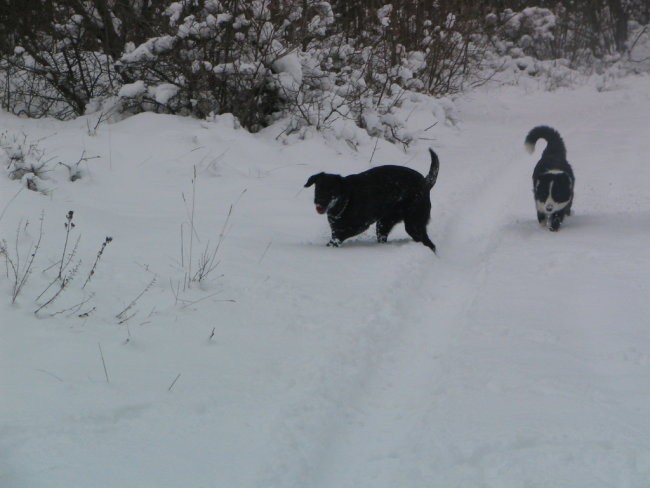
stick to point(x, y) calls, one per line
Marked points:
point(18, 268)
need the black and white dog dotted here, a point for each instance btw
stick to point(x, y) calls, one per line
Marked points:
point(385, 195)
point(553, 178)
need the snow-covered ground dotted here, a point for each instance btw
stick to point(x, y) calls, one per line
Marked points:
point(515, 358)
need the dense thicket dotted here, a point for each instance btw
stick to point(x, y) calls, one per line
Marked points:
point(316, 60)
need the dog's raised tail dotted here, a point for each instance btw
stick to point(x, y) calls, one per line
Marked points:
point(433, 171)
point(554, 143)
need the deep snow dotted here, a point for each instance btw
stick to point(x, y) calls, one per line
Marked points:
point(515, 358)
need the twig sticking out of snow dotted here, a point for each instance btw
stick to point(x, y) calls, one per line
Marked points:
point(101, 354)
point(122, 315)
point(62, 286)
point(69, 225)
point(107, 241)
point(174, 382)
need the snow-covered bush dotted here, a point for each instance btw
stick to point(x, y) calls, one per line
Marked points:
point(317, 60)
point(363, 78)
point(532, 31)
point(322, 63)
point(638, 54)
point(213, 57)
point(27, 93)
point(54, 63)
point(566, 45)
point(589, 35)
point(24, 161)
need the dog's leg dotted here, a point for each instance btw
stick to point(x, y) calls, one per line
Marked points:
point(339, 235)
point(555, 221)
point(541, 218)
point(384, 226)
point(427, 242)
point(419, 234)
point(567, 210)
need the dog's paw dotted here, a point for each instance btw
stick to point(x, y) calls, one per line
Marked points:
point(334, 243)
point(554, 226)
point(554, 223)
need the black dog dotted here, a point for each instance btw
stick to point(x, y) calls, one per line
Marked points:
point(385, 195)
point(553, 178)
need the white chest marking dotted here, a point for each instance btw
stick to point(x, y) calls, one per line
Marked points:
point(550, 206)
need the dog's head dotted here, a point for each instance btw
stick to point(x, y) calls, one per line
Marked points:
point(553, 191)
point(330, 189)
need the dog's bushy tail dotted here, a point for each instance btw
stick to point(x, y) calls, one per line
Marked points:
point(555, 144)
point(431, 178)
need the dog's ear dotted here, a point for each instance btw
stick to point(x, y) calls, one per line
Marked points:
point(312, 179)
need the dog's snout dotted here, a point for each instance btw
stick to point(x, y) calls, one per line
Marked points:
point(549, 208)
